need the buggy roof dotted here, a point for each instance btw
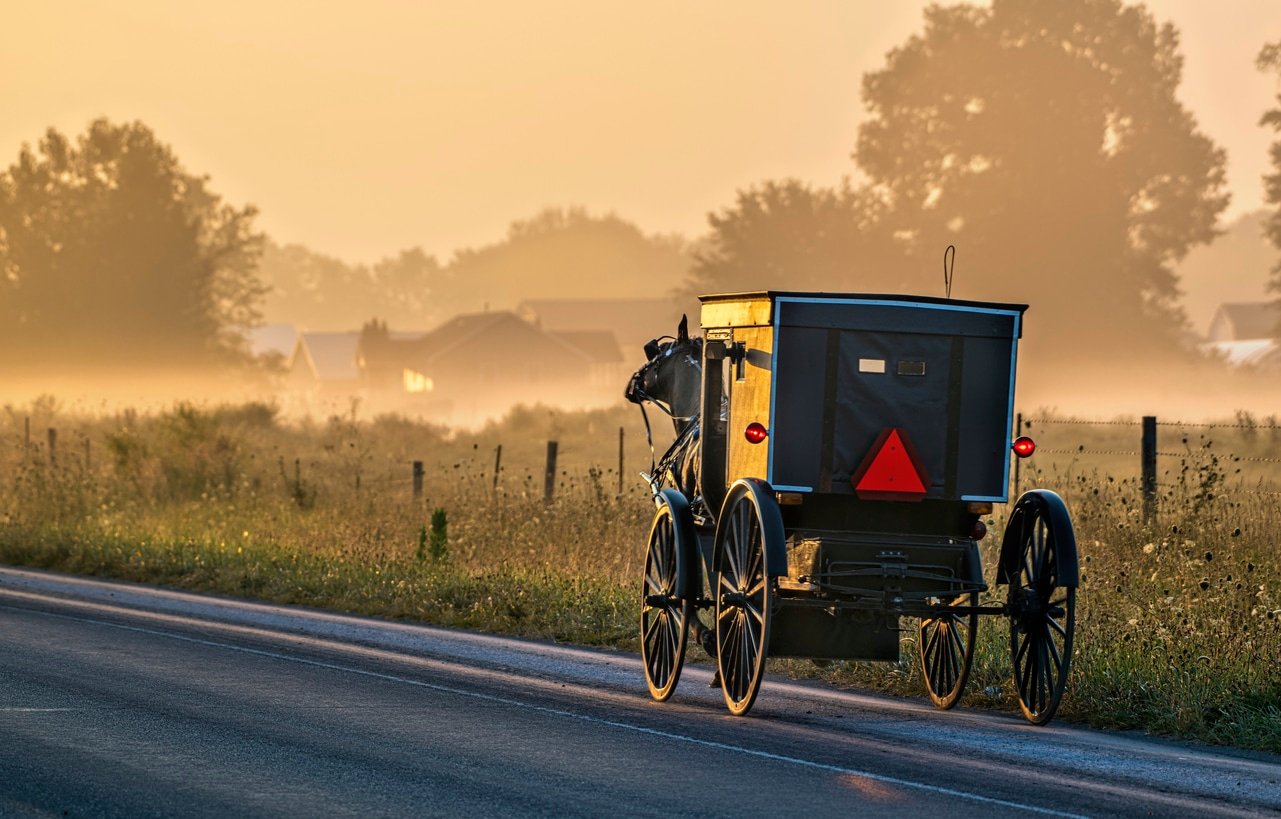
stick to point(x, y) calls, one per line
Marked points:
point(772, 295)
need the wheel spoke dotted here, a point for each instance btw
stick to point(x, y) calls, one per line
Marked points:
point(743, 545)
point(956, 650)
point(1054, 624)
point(1048, 674)
point(1054, 654)
point(933, 638)
point(1026, 668)
point(651, 628)
point(937, 662)
point(652, 586)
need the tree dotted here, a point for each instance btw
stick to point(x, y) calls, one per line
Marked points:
point(320, 292)
point(563, 254)
point(1045, 139)
point(791, 235)
point(113, 254)
point(1270, 60)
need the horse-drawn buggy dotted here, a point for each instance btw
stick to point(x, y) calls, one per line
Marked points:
point(835, 457)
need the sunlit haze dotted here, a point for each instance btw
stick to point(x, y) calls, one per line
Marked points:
point(360, 129)
point(453, 208)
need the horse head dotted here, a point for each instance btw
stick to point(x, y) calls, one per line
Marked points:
point(672, 378)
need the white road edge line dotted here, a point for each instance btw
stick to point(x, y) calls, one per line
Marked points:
point(640, 729)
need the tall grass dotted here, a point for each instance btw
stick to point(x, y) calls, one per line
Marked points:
point(1178, 622)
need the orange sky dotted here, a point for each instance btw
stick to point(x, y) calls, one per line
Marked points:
point(360, 129)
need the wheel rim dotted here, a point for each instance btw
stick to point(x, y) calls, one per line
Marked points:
point(664, 617)
point(1042, 620)
point(946, 643)
point(743, 601)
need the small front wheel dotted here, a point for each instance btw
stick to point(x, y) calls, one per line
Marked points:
point(664, 626)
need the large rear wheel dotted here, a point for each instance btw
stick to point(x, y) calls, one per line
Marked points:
point(744, 598)
point(1042, 609)
point(664, 626)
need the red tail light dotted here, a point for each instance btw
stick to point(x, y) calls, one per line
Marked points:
point(755, 433)
point(1023, 446)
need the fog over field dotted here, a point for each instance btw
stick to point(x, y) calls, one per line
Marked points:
point(446, 212)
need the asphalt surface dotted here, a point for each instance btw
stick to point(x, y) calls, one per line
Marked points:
point(118, 700)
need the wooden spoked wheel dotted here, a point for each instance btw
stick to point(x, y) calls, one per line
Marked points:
point(946, 647)
point(1042, 614)
point(664, 626)
point(743, 602)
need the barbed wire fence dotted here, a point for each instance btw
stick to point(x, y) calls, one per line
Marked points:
point(1240, 446)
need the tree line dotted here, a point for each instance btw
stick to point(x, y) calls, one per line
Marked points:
point(1043, 138)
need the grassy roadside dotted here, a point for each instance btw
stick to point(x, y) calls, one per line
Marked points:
point(1178, 631)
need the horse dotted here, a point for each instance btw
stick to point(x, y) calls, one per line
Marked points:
point(671, 380)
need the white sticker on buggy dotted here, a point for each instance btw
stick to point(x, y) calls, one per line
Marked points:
point(871, 365)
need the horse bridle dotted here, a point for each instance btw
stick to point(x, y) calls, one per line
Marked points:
point(637, 393)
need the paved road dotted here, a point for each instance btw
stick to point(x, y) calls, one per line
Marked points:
point(116, 700)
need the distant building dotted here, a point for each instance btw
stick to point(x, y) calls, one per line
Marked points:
point(1243, 321)
point(481, 364)
point(324, 363)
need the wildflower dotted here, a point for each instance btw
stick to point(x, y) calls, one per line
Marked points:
point(1149, 548)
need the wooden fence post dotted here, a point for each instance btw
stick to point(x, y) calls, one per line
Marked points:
point(418, 479)
point(498, 465)
point(53, 447)
point(1148, 465)
point(620, 462)
point(549, 477)
point(26, 435)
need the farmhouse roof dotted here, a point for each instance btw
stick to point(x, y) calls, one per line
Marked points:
point(598, 345)
point(459, 329)
point(1251, 319)
point(331, 356)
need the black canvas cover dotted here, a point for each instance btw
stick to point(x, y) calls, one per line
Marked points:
point(844, 372)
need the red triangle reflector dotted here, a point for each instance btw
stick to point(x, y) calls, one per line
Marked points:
point(891, 470)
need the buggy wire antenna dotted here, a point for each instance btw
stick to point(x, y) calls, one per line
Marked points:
point(949, 268)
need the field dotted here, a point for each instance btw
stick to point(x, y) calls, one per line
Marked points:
point(1178, 620)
